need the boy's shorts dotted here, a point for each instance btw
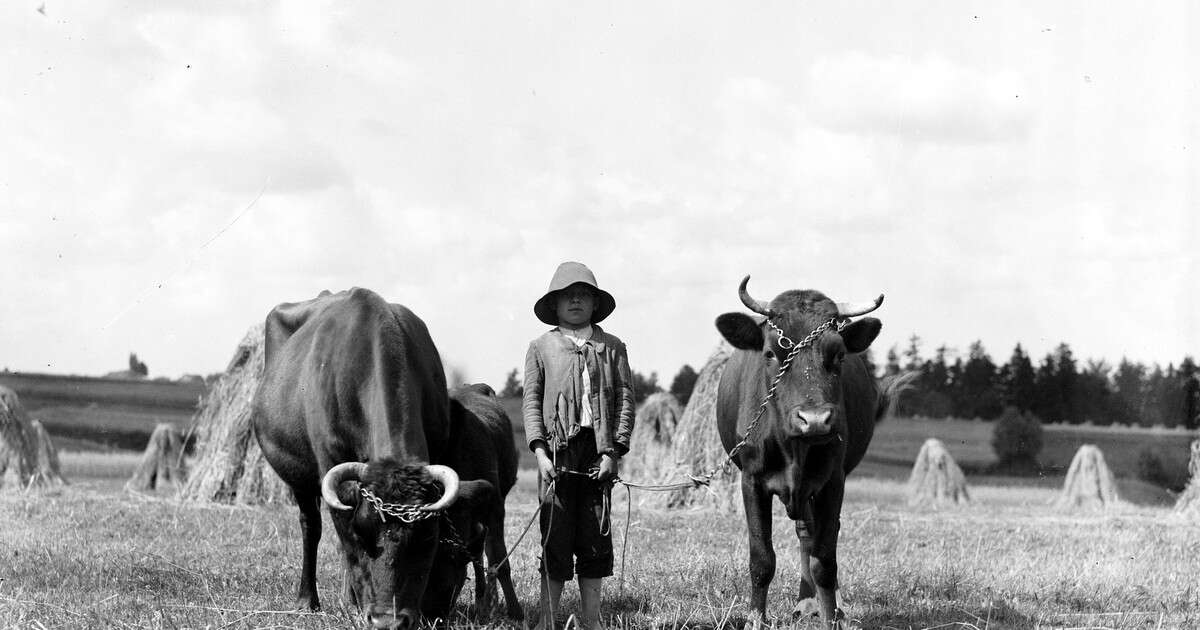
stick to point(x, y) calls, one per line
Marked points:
point(574, 518)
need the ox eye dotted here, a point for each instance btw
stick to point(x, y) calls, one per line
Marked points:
point(835, 363)
point(768, 354)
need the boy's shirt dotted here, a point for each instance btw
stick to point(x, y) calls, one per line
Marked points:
point(579, 338)
point(556, 390)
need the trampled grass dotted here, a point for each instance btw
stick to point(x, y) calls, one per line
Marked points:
point(91, 555)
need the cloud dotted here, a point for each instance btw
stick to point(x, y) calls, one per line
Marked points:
point(925, 100)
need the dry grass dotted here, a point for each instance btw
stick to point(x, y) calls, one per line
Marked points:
point(1008, 560)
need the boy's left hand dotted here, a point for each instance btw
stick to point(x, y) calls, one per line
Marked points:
point(608, 468)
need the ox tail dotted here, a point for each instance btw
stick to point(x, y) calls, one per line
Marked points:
point(891, 387)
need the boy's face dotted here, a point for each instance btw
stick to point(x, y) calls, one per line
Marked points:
point(576, 305)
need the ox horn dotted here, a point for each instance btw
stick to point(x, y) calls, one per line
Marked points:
point(345, 471)
point(751, 303)
point(449, 481)
point(853, 309)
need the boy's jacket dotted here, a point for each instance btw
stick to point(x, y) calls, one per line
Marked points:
point(554, 387)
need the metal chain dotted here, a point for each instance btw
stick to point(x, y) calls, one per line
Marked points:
point(405, 513)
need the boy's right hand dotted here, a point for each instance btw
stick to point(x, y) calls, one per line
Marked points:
point(545, 465)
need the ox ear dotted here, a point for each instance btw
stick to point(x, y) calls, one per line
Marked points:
point(859, 335)
point(741, 331)
point(477, 494)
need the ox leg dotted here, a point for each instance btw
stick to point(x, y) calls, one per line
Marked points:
point(827, 510)
point(806, 604)
point(310, 532)
point(496, 552)
point(762, 554)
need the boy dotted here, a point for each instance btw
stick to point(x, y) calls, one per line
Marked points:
point(578, 411)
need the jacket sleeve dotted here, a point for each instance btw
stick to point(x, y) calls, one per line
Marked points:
point(626, 408)
point(535, 374)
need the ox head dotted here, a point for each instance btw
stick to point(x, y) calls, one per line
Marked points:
point(809, 395)
point(389, 516)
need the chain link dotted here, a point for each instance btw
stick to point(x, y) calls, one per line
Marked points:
point(404, 513)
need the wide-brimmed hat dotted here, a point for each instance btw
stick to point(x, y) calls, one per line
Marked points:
point(567, 274)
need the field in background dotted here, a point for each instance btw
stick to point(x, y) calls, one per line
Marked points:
point(1008, 561)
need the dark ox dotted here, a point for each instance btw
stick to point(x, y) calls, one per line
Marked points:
point(353, 398)
point(482, 448)
point(812, 431)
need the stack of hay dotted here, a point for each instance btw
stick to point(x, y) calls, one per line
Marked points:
point(229, 466)
point(27, 457)
point(162, 464)
point(936, 479)
point(1089, 484)
point(650, 445)
point(1188, 503)
point(696, 446)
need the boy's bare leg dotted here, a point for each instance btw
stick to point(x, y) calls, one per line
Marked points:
point(551, 604)
point(589, 603)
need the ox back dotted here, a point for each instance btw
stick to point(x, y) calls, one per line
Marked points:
point(349, 377)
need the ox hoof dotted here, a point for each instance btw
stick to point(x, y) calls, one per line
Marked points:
point(807, 607)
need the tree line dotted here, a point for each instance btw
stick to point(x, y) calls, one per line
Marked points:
point(1057, 389)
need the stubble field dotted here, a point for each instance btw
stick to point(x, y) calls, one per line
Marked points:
point(91, 555)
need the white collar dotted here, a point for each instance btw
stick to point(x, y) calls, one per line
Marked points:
point(583, 334)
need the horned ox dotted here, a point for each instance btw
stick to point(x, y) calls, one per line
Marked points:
point(353, 409)
point(800, 396)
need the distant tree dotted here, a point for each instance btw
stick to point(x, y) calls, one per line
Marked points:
point(1047, 397)
point(643, 386)
point(512, 386)
point(912, 354)
point(979, 395)
point(1129, 383)
point(683, 384)
point(1017, 380)
point(137, 367)
point(1066, 376)
point(893, 362)
point(1094, 397)
point(1189, 375)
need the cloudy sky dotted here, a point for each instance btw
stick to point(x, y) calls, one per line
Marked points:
point(1017, 173)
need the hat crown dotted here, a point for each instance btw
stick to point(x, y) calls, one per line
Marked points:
point(570, 273)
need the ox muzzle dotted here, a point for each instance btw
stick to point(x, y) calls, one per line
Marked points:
point(811, 422)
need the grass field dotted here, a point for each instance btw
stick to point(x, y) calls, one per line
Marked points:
point(91, 555)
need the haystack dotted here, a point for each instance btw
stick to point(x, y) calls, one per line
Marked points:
point(229, 466)
point(1188, 503)
point(650, 445)
point(696, 447)
point(1089, 481)
point(936, 479)
point(20, 444)
point(45, 455)
point(162, 464)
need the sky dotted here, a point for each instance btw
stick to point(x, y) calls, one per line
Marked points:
point(1019, 172)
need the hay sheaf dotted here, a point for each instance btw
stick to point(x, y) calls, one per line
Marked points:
point(650, 444)
point(696, 448)
point(1089, 483)
point(162, 464)
point(936, 478)
point(21, 446)
point(1188, 504)
point(229, 467)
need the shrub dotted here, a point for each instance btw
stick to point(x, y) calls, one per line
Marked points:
point(1150, 468)
point(1017, 439)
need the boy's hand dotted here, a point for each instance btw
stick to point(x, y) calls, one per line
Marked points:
point(545, 465)
point(608, 468)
